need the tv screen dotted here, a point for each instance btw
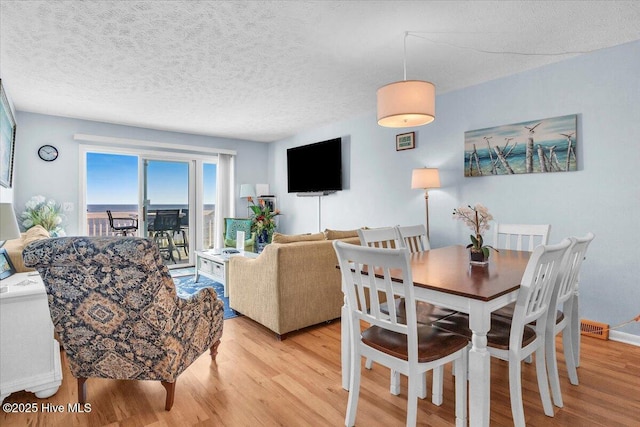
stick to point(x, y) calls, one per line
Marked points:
point(315, 167)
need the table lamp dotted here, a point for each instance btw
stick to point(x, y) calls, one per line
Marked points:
point(247, 191)
point(8, 223)
point(425, 178)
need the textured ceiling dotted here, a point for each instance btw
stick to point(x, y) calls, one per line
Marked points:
point(264, 70)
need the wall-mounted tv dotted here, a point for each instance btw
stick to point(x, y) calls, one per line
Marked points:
point(315, 167)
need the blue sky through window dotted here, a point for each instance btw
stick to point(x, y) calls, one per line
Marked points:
point(112, 179)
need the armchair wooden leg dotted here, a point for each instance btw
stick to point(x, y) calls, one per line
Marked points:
point(214, 350)
point(171, 389)
point(82, 391)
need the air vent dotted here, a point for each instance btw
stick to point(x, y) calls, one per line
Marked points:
point(594, 329)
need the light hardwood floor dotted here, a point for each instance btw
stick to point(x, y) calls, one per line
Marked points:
point(259, 381)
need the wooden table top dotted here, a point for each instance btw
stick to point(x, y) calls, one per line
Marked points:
point(448, 270)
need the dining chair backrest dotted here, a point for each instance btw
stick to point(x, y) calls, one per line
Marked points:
point(573, 261)
point(385, 237)
point(357, 264)
point(110, 215)
point(414, 237)
point(537, 286)
point(520, 237)
point(167, 220)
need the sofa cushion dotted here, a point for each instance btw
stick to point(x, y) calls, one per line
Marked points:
point(292, 238)
point(15, 247)
point(339, 234)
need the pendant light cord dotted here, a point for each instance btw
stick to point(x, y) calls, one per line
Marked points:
point(404, 59)
point(491, 52)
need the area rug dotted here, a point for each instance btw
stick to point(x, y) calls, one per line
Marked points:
point(184, 278)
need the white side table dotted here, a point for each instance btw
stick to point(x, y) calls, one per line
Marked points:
point(213, 264)
point(29, 355)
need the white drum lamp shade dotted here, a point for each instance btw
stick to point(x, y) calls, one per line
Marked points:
point(247, 190)
point(425, 178)
point(8, 223)
point(406, 103)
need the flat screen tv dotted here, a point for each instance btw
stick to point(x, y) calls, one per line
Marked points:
point(315, 167)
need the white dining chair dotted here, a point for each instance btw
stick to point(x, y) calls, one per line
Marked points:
point(561, 312)
point(403, 346)
point(391, 237)
point(414, 237)
point(517, 338)
point(520, 237)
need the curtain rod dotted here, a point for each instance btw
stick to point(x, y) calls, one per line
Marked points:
point(151, 144)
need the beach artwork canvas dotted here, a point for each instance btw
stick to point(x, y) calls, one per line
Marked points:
point(547, 145)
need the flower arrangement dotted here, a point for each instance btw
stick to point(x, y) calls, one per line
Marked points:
point(263, 218)
point(47, 213)
point(477, 218)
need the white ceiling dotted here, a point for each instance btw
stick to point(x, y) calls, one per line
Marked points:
point(265, 70)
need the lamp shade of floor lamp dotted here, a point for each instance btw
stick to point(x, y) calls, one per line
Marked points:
point(8, 223)
point(425, 178)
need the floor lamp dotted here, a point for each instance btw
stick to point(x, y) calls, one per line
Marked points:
point(425, 178)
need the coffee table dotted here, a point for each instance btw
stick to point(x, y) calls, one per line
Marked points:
point(213, 263)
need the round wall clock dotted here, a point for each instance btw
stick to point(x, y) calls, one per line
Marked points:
point(48, 153)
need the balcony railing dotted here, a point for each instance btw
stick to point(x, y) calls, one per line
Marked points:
point(98, 225)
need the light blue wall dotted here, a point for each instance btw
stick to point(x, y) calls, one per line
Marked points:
point(603, 196)
point(59, 179)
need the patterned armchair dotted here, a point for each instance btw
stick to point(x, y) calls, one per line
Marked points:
point(115, 309)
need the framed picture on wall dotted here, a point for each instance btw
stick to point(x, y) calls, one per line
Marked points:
point(7, 140)
point(405, 141)
point(536, 146)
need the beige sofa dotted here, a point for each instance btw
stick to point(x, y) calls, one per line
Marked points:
point(292, 284)
point(15, 247)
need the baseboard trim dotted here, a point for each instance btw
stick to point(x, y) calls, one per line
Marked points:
point(625, 338)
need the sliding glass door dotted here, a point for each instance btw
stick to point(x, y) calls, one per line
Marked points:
point(178, 190)
point(167, 204)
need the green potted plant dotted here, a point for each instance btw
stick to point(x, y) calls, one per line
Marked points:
point(263, 221)
point(477, 218)
point(47, 213)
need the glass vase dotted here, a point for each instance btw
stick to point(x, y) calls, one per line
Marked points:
point(478, 258)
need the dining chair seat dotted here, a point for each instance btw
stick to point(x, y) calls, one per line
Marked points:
point(433, 343)
point(498, 335)
point(506, 312)
point(426, 313)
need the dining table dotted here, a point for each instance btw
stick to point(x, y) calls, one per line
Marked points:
point(446, 278)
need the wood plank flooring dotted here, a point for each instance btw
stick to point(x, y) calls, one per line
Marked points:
point(259, 381)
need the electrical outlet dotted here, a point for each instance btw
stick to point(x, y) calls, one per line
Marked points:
point(67, 207)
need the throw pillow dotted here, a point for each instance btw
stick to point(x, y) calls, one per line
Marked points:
point(35, 233)
point(339, 234)
point(292, 238)
point(233, 225)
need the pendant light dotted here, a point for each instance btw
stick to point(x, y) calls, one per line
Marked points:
point(406, 103)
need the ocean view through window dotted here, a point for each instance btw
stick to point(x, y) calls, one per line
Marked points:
point(112, 184)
